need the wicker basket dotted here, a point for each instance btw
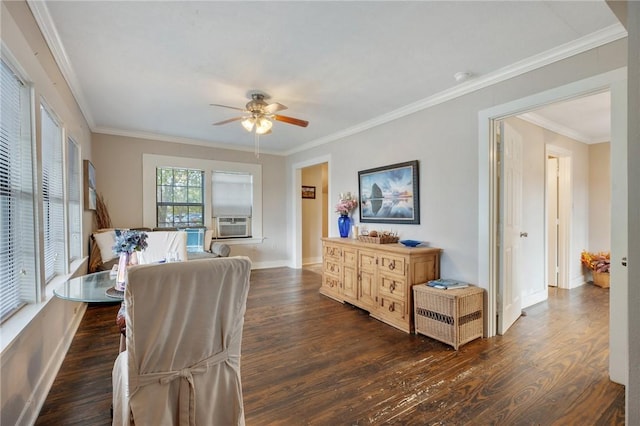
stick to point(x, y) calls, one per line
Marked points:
point(453, 317)
point(601, 279)
point(385, 239)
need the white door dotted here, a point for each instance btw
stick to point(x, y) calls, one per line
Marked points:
point(510, 293)
point(552, 221)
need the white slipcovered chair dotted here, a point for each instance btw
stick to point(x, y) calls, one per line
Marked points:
point(184, 331)
point(161, 243)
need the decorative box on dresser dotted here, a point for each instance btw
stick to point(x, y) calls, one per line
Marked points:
point(377, 277)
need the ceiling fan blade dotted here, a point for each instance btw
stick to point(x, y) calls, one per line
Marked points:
point(291, 120)
point(231, 120)
point(274, 107)
point(227, 106)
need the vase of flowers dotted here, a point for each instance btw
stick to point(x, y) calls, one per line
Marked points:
point(347, 204)
point(126, 245)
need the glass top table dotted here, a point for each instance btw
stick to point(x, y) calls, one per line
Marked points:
point(90, 288)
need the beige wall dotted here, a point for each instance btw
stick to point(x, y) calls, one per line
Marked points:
point(35, 340)
point(599, 197)
point(118, 163)
point(444, 139)
point(535, 140)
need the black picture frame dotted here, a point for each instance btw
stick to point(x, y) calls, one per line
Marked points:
point(390, 194)
point(308, 191)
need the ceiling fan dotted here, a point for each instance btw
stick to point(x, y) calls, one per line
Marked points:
point(258, 114)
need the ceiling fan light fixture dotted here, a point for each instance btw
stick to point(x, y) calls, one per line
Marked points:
point(248, 123)
point(263, 125)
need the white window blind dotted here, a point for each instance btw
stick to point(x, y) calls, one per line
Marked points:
point(74, 218)
point(232, 194)
point(17, 245)
point(52, 195)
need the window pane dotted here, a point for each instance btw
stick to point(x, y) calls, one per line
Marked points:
point(232, 194)
point(183, 194)
point(73, 200)
point(52, 192)
point(17, 245)
point(180, 194)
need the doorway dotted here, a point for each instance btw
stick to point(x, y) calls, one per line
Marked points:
point(488, 227)
point(297, 231)
point(315, 205)
point(558, 216)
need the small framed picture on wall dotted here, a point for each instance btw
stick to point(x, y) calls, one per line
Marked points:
point(308, 191)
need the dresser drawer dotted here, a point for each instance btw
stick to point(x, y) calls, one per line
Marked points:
point(393, 286)
point(350, 257)
point(391, 264)
point(332, 266)
point(330, 282)
point(393, 309)
point(333, 251)
point(367, 259)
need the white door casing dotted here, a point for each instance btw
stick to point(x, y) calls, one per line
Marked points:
point(512, 232)
point(552, 221)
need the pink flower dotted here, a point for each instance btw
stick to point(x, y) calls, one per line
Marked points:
point(347, 204)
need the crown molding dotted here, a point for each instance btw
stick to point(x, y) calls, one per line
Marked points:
point(590, 41)
point(50, 33)
point(551, 125)
point(178, 139)
point(558, 53)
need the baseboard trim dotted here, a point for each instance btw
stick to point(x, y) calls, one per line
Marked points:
point(37, 399)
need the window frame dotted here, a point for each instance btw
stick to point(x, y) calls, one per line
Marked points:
point(73, 248)
point(25, 250)
point(152, 161)
point(57, 234)
point(186, 204)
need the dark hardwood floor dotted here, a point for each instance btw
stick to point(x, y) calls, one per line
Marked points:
point(308, 360)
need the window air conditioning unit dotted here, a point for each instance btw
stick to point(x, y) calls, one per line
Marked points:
point(233, 227)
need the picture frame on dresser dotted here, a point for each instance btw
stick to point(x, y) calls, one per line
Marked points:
point(390, 194)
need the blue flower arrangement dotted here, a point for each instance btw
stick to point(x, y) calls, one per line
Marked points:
point(130, 241)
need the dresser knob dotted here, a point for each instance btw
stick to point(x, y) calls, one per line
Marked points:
point(392, 307)
point(392, 265)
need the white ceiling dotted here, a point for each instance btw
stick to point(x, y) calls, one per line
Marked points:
point(151, 69)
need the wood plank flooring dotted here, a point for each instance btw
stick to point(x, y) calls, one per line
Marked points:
point(308, 360)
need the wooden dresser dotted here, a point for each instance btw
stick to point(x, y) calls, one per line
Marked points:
point(377, 277)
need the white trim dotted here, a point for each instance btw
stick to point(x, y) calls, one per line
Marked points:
point(296, 211)
point(565, 195)
point(588, 42)
point(538, 120)
point(50, 33)
point(151, 161)
point(311, 260)
point(487, 166)
point(179, 139)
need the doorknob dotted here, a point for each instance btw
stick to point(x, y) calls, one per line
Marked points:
point(524, 234)
point(624, 261)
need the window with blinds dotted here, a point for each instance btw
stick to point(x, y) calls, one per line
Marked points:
point(232, 203)
point(17, 245)
point(74, 209)
point(52, 195)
